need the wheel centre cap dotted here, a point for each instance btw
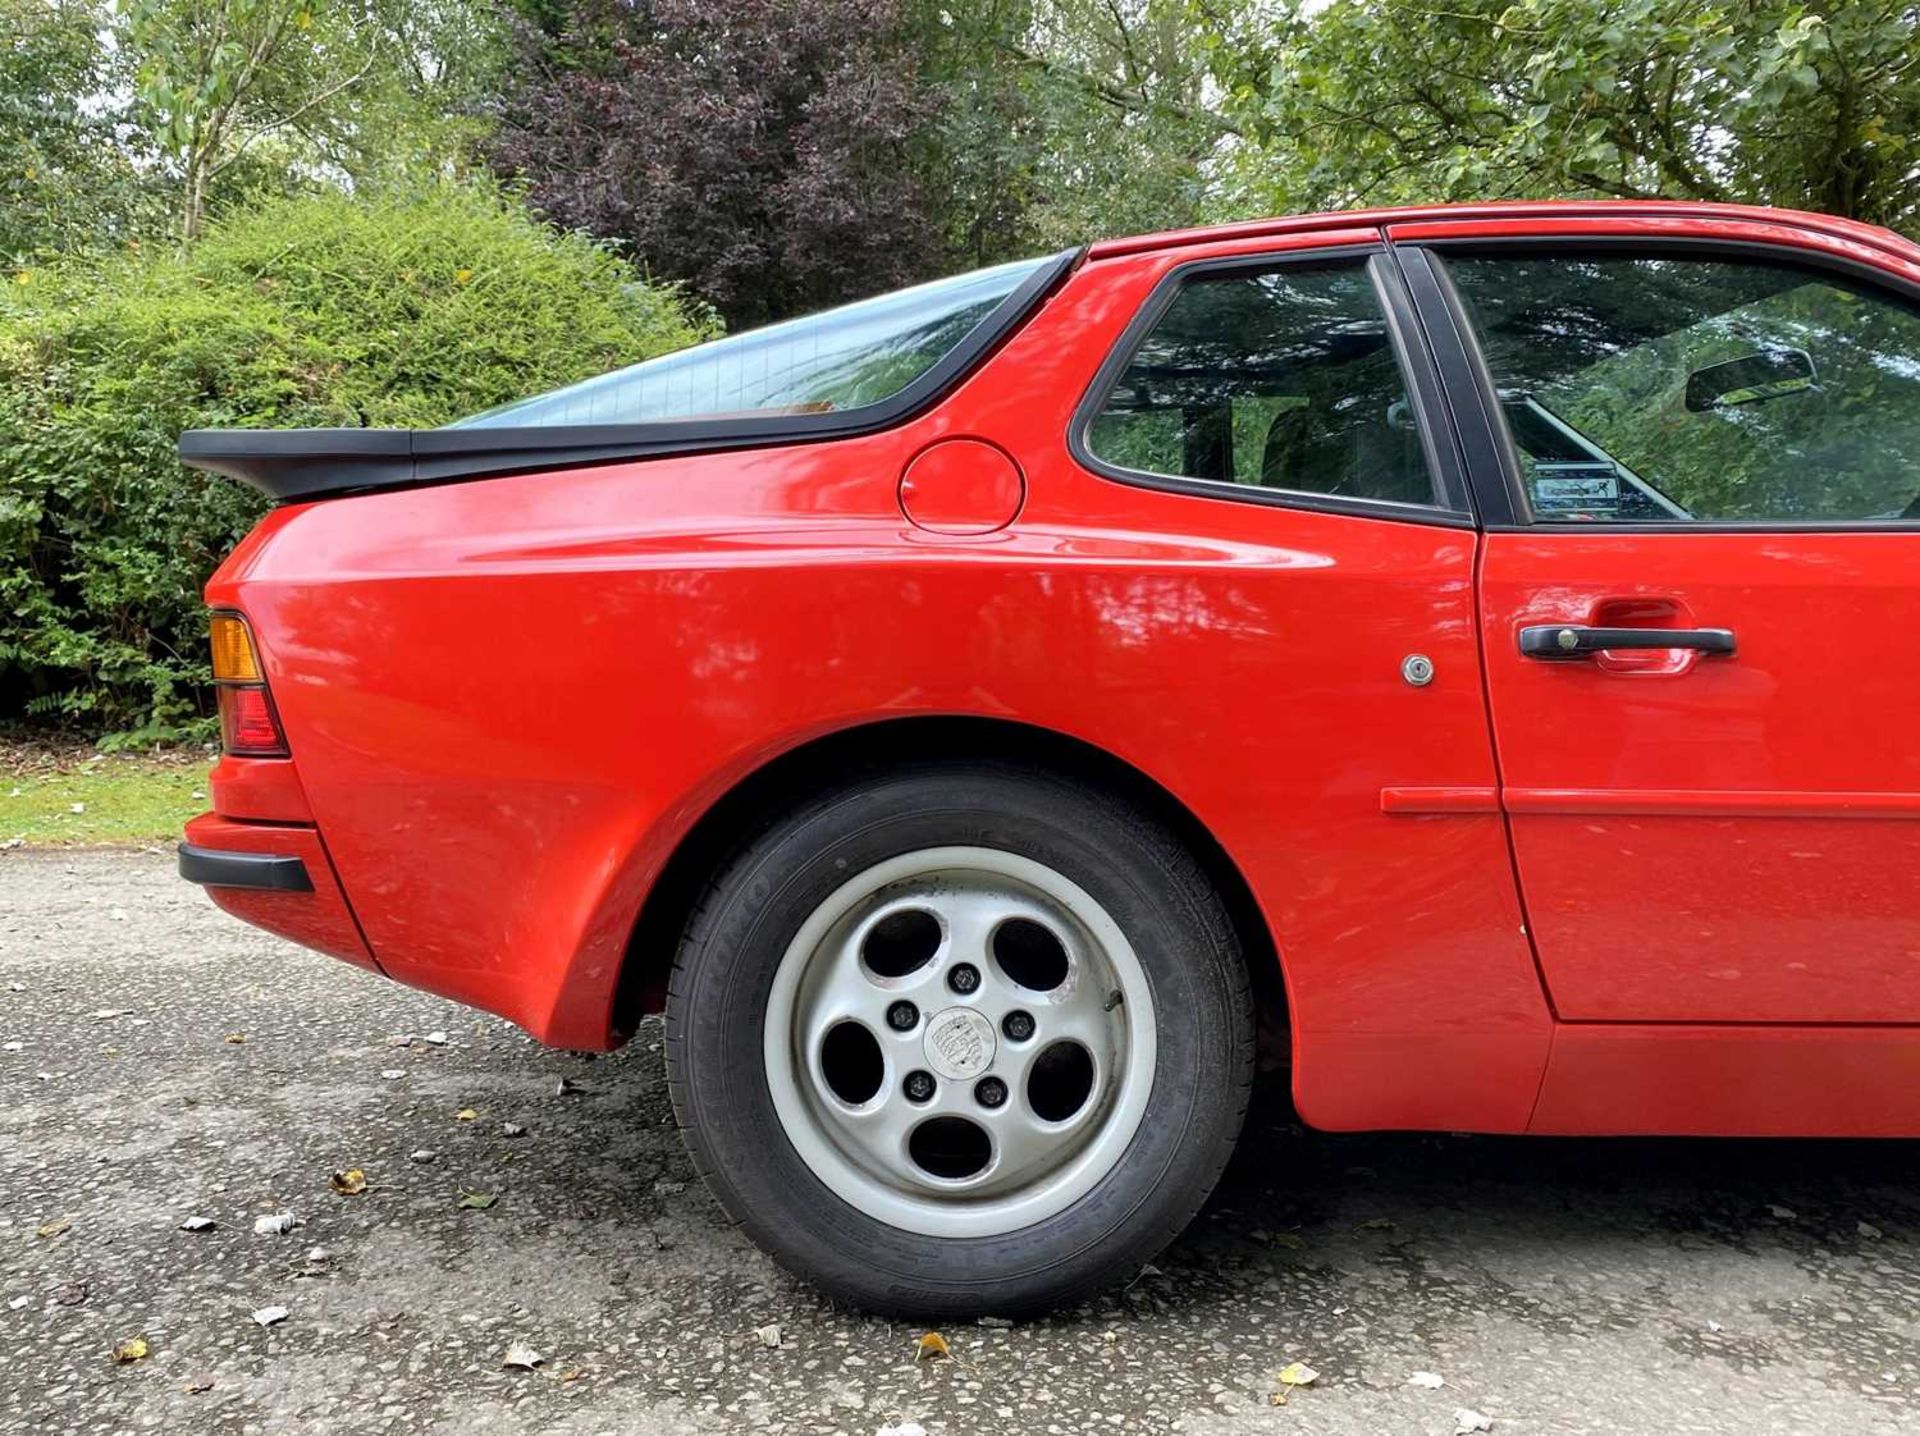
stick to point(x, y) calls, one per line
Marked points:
point(959, 1044)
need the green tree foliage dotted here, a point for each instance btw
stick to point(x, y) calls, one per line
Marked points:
point(402, 309)
point(66, 178)
point(246, 91)
point(1813, 104)
point(1060, 121)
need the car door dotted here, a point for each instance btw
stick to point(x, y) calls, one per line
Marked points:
point(1700, 473)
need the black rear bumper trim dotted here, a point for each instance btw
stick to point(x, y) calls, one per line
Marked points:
point(265, 872)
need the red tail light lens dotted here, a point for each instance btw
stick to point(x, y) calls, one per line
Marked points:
point(247, 725)
point(249, 728)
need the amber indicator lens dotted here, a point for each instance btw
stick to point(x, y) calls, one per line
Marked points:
point(233, 659)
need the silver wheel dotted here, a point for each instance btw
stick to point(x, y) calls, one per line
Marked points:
point(960, 1042)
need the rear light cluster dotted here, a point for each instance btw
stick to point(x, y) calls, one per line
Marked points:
point(249, 728)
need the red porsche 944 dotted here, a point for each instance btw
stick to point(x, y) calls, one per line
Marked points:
point(1461, 652)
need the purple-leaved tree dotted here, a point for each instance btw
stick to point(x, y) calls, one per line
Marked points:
point(765, 154)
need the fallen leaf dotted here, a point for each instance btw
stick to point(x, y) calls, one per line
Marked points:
point(932, 1346)
point(1276, 1398)
point(236, 1038)
point(199, 1384)
point(198, 1224)
point(1298, 1373)
point(769, 1336)
point(573, 1373)
point(478, 1201)
point(55, 1227)
point(523, 1356)
point(278, 1224)
point(1432, 1380)
point(1466, 1421)
point(350, 1183)
point(461, 276)
point(270, 1315)
point(134, 1348)
point(465, 1114)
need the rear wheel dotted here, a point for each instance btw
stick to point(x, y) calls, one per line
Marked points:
point(961, 1040)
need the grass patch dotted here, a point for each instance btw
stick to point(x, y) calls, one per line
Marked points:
point(74, 797)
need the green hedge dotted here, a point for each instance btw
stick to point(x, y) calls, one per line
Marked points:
point(405, 309)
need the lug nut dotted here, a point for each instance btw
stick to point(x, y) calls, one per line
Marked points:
point(903, 1017)
point(919, 1086)
point(1018, 1026)
point(964, 978)
point(990, 1091)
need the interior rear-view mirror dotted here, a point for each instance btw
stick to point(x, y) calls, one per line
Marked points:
point(1766, 374)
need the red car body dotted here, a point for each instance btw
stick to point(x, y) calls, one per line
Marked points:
point(511, 703)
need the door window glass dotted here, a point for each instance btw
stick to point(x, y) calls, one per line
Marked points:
point(1280, 380)
point(1670, 389)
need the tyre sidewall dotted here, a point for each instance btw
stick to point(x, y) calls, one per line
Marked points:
point(1144, 880)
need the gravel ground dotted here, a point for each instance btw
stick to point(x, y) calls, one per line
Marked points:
point(1556, 1286)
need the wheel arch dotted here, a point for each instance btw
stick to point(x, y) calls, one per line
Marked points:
point(834, 757)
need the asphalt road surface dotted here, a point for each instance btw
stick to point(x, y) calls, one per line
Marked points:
point(1553, 1286)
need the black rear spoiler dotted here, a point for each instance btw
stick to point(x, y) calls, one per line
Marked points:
point(296, 465)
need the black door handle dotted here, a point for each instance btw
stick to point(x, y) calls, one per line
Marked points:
point(1576, 640)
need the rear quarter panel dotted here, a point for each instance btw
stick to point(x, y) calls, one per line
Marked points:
point(508, 700)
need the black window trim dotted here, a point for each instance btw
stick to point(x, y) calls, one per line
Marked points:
point(1424, 394)
point(1494, 470)
point(295, 465)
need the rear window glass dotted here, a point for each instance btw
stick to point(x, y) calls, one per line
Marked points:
point(846, 358)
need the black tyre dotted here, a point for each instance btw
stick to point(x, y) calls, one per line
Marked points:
point(961, 1039)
